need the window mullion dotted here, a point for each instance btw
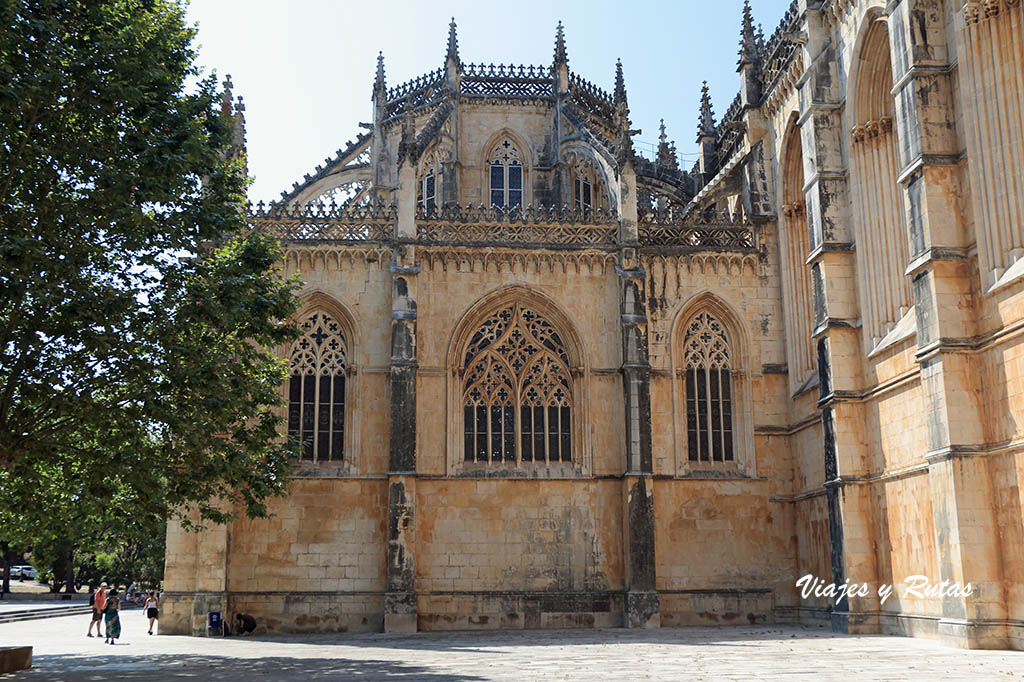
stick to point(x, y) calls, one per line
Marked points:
point(547, 436)
point(517, 419)
point(316, 415)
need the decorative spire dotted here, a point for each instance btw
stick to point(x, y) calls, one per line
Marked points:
point(666, 152)
point(453, 45)
point(748, 37)
point(706, 127)
point(379, 84)
point(560, 55)
point(225, 97)
point(620, 83)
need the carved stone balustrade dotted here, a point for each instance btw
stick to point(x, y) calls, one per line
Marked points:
point(529, 226)
point(326, 223)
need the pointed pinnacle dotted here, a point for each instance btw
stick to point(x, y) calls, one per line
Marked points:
point(748, 37)
point(560, 54)
point(453, 44)
point(379, 84)
point(707, 117)
point(662, 137)
point(225, 97)
point(620, 83)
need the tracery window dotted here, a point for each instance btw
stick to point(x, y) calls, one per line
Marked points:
point(709, 391)
point(316, 390)
point(506, 173)
point(518, 391)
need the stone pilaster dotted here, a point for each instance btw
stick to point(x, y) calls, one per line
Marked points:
point(933, 177)
point(837, 332)
point(642, 603)
point(400, 609)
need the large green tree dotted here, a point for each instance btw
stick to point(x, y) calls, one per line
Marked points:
point(137, 311)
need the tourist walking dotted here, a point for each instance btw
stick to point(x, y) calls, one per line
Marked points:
point(112, 617)
point(97, 600)
point(152, 607)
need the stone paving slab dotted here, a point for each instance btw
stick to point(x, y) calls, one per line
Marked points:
point(62, 652)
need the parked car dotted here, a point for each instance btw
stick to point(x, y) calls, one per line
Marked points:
point(23, 572)
point(15, 572)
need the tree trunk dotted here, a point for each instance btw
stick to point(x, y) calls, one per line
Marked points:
point(6, 560)
point(69, 570)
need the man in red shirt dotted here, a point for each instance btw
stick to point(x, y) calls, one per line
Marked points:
point(97, 601)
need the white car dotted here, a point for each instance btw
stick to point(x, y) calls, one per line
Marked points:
point(23, 572)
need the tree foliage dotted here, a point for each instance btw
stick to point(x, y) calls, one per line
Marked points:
point(138, 313)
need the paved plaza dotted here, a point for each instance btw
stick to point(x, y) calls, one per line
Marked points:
point(62, 652)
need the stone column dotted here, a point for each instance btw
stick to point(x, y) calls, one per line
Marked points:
point(933, 182)
point(837, 333)
point(642, 603)
point(400, 600)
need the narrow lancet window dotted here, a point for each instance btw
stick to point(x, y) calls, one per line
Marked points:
point(506, 175)
point(316, 389)
point(709, 391)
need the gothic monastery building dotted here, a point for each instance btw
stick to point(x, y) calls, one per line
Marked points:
point(548, 382)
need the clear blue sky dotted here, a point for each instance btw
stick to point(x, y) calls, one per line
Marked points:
point(305, 67)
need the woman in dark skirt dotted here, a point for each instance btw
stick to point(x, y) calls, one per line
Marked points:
point(152, 607)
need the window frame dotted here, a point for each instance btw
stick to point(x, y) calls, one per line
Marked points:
point(743, 463)
point(579, 441)
point(314, 302)
point(516, 161)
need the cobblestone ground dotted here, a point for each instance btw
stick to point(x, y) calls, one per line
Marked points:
point(62, 652)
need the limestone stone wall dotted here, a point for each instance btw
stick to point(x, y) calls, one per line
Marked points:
point(874, 338)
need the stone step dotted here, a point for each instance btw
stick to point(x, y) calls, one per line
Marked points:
point(36, 614)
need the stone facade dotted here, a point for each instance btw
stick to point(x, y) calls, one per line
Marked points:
point(575, 387)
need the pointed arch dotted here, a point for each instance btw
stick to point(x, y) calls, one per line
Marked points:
point(713, 413)
point(581, 164)
point(318, 391)
point(506, 160)
point(515, 385)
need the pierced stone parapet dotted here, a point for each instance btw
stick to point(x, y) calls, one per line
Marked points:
point(591, 99)
point(415, 94)
point(326, 222)
point(708, 232)
point(526, 226)
point(731, 130)
point(520, 82)
point(780, 49)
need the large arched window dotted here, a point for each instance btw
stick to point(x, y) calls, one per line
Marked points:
point(517, 392)
point(505, 166)
point(707, 359)
point(316, 389)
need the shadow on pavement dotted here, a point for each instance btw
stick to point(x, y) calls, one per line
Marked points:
point(501, 641)
point(224, 669)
